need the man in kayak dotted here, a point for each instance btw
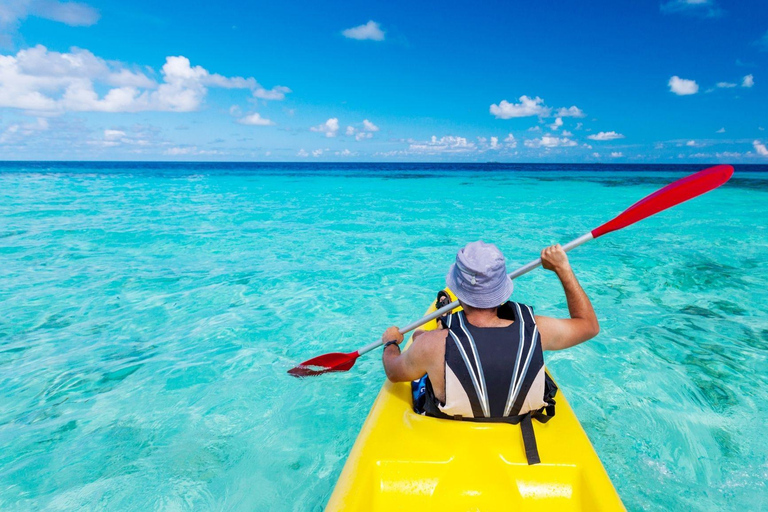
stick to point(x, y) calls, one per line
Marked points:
point(486, 361)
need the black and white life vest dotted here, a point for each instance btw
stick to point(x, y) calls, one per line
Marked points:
point(495, 374)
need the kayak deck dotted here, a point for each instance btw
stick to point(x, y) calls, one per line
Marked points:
point(405, 461)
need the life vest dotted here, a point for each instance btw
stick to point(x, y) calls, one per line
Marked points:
point(495, 374)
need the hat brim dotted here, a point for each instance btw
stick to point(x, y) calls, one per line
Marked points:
point(478, 299)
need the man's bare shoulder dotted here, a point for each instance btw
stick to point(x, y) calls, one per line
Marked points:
point(430, 342)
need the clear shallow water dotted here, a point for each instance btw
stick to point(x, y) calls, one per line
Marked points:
point(148, 314)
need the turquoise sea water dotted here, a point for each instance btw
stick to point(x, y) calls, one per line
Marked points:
point(149, 312)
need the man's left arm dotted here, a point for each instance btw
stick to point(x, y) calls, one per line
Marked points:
point(405, 366)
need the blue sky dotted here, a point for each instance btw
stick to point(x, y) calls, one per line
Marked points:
point(603, 81)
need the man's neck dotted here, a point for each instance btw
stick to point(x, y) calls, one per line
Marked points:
point(481, 317)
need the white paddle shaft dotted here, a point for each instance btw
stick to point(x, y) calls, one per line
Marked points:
point(453, 305)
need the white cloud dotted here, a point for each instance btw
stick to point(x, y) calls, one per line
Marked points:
point(728, 154)
point(19, 131)
point(704, 8)
point(345, 152)
point(366, 132)
point(529, 107)
point(190, 150)
point(617, 154)
point(255, 119)
point(725, 85)
point(330, 128)
point(302, 153)
point(548, 141)
point(75, 14)
point(446, 144)
point(596, 155)
point(126, 78)
point(566, 133)
point(176, 151)
point(369, 126)
point(748, 81)
point(557, 124)
point(113, 134)
point(139, 138)
point(36, 79)
point(277, 93)
point(526, 108)
point(370, 31)
point(721, 130)
point(682, 86)
point(454, 146)
point(760, 148)
point(316, 153)
point(488, 144)
point(572, 111)
point(606, 136)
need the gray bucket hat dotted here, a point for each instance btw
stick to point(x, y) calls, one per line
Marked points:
point(479, 276)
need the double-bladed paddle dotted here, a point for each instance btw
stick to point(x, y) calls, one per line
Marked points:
point(673, 194)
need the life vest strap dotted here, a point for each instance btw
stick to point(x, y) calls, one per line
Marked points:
point(529, 441)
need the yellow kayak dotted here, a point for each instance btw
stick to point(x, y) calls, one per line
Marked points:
point(403, 461)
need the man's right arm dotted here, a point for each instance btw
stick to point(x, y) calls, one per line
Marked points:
point(410, 364)
point(557, 333)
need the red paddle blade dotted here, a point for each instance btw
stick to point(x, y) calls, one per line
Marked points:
point(334, 362)
point(673, 194)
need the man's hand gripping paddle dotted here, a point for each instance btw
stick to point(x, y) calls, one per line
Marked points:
point(673, 194)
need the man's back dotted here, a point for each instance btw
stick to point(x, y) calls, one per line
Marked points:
point(428, 350)
point(432, 346)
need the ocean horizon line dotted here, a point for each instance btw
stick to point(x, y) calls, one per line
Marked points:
point(614, 166)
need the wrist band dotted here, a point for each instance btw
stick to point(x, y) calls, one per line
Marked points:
point(393, 342)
